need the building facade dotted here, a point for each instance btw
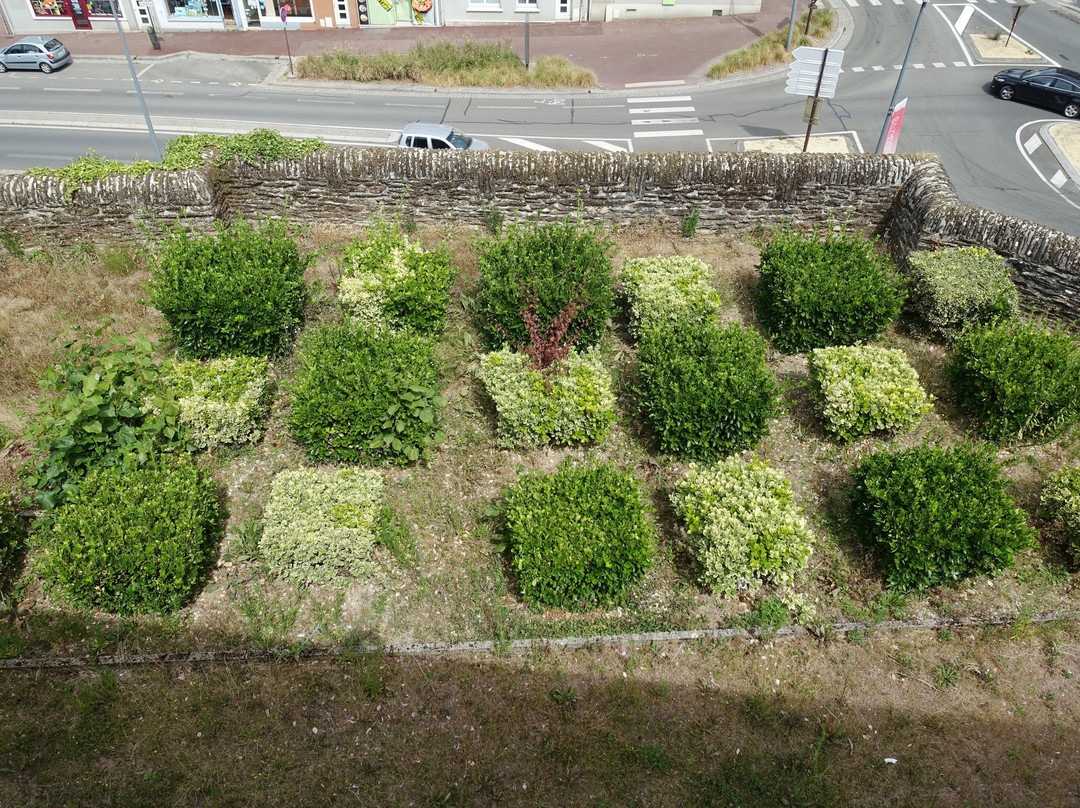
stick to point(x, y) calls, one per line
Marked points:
point(21, 17)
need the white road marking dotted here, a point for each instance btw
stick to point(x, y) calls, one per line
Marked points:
point(1059, 179)
point(671, 133)
point(71, 90)
point(603, 144)
point(654, 110)
point(526, 144)
point(661, 121)
point(672, 83)
point(1032, 143)
point(658, 100)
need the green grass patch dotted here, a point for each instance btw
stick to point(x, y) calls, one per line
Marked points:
point(771, 49)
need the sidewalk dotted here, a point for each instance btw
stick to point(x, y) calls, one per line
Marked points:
point(619, 53)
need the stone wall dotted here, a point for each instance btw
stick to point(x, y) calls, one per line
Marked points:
point(906, 199)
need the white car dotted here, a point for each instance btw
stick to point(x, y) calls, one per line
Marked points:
point(437, 136)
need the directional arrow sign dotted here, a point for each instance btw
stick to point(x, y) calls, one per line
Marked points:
point(813, 55)
point(810, 65)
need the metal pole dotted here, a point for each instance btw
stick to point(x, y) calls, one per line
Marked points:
point(527, 15)
point(809, 16)
point(138, 87)
point(791, 25)
point(900, 79)
point(817, 91)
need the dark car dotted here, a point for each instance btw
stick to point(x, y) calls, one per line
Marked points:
point(44, 53)
point(1053, 87)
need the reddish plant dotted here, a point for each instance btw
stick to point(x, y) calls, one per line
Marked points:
point(551, 342)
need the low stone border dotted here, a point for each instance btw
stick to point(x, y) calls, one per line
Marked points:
point(437, 649)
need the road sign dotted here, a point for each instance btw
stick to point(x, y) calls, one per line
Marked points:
point(811, 66)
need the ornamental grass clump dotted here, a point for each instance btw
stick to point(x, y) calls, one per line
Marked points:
point(544, 268)
point(861, 389)
point(388, 280)
point(135, 540)
point(571, 403)
point(954, 289)
point(936, 516)
point(1060, 503)
point(577, 538)
point(321, 525)
point(705, 391)
point(665, 292)
point(239, 291)
point(361, 395)
point(1018, 380)
point(223, 401)
point(825, 288)
point(743, 527)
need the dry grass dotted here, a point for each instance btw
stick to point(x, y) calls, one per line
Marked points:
point(771, 49)
point(985, 719)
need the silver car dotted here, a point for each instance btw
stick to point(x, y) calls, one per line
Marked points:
point(44, 53)
point(418, 135)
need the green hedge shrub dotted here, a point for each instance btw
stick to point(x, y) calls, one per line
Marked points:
point(705, 391)
point(1060, 503)
point(135, 541)
point(222, 401)
point(666, 292)
point(319, 525)
point(863, 388)
point(549, 266)
point(825, 288)
point(572, 404)
point(743, 527)
point(578, 537)
point(387, 279)
point(237, 292)
point(1019, 380)
point(935, 515)
point(954, 289)
point(108, 408)
point(362, 395)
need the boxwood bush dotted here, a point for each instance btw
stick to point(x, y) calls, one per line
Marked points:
point(105, 405)
point(863, 388)
point(705, 391)
point(664, 292)
point(936, 515)
point(825, 288)
point(578, 537)
point(954, 289)
point(319, 525)
point(1060, 503)
point(571, 403)
point(362, 395)
point(239, 291)
point(222, 401)
point(1019, 380)
point(388, 279)
point(135, 541)
point(545, 267)
point(743, 527)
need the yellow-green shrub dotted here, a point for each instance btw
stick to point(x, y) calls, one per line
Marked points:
point(1061, 503)
point(667, 291)
point(319, 525)
point(222, 401)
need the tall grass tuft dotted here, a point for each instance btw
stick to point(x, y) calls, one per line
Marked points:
point(771, 49)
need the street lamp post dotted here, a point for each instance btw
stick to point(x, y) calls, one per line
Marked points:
point(531, 7)
point(900, 79)
point(138, 87)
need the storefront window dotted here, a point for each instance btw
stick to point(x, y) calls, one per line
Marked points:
point(48, 8)
point(298, 8)
point(194, 9)
point(101, 8)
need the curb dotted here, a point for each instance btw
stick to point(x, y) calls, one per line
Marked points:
point(492, 648)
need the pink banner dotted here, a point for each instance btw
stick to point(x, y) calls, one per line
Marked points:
point(892, 134)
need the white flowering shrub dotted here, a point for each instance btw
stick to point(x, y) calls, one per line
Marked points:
point(953, 289)
point(572, 403)
point(1060, 502)
point(319, 525)
point(742, 525)
point(863, 388)
point(387, 280)
point(224, 400)
point(667, 292)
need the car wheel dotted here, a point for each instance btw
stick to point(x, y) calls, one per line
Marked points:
point(1071, 110)
point(3, 68)
point(1006, 92)
point(45, 67)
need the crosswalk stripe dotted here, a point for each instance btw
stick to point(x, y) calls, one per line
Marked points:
point(654, 110)
point(603, 144)
point(661, 121)
point(671, 133)
point(527, 144)
point(658, 99)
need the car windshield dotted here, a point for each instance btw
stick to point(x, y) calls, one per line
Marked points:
point(459, 140)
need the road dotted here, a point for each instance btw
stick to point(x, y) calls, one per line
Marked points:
point(984, 143)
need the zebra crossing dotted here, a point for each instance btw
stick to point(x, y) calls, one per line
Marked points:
point(858, 3)
point(662, 112)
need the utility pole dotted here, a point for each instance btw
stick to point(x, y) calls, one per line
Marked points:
point(900, 79)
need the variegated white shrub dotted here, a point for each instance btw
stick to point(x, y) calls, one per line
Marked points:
point(743, 527)
point(223, 400)
point(863, 388)
point(362, 298)
point(573, 403)
point(1061, 502)
point(666, 291)
point(319, 525)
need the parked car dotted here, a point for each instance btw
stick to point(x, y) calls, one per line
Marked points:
point(437, 136)
point(1057, 88)
point(44, 53)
